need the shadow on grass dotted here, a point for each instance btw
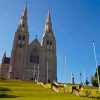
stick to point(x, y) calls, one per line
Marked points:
point(4, 89)
point(4, 95)
point(7, 96)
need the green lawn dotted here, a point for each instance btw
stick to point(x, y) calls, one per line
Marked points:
point(21, 90)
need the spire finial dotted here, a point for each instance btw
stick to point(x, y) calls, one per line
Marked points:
point(48, 19)
point(23, 21)
point(36, 36)
point(5, 53)
point(25, 10)
point(26, 4)
point(49, 12)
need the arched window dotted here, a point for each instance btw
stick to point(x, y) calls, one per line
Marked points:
point(50, 42)
point(19, 37)
point(23, 38)
point(37, 59)
point(47, 42)
point(34, 59)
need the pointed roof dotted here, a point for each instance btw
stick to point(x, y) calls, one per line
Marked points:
point(25, 12)
point(5, 60)
point(35, 42)
point(23, 21)
point(48, 19)
point(4, 55)
point(48, 26)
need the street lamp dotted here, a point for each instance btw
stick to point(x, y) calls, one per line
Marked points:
point(96, 65)
point(47, 72)
point(65, 70)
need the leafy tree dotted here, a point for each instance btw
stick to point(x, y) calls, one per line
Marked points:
point(87, 82)
point(94, 79)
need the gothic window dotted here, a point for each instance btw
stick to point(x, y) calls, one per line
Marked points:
point(34, 59)
point(23, 38)
point(47, 42)
point(19, 37)
point(50, 42)
point(37, 59)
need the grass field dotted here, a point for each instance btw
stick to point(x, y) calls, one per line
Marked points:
point(21, 90)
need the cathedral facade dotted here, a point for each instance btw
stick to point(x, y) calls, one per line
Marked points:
point(34, 61)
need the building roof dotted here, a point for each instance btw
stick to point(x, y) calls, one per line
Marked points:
point(7, 60)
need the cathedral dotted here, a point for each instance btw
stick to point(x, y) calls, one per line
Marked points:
point(31, 61)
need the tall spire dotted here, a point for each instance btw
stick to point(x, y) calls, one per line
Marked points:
point(48, 19)
point(23, 21)
point(4, 56)
point(48, 25)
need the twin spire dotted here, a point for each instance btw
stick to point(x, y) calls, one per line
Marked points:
point(24, 26)
point(48, 24)
point(48, 27)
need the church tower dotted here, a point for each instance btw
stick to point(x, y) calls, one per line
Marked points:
point(19, 50)
point(49, 48)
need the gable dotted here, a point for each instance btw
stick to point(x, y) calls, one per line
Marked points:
point(35, 42)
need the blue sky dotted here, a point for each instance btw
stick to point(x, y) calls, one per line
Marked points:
point(76, 23)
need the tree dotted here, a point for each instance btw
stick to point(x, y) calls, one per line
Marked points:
point(94, 79)
point(87, 82)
